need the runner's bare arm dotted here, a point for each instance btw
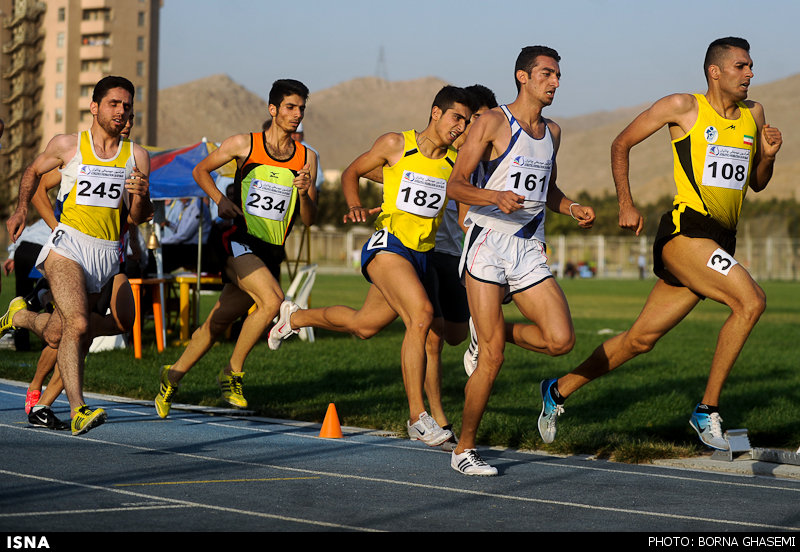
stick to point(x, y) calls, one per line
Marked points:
point(481, 139)
point(557, 201)
point(769, 142)
point(138, 186)
point(233, 148)
point(61, 147)
point(41, 201)
point(307, 190)
point(385, 151)
point(676, 109)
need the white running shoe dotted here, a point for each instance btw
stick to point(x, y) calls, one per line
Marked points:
point(470, 462)
point(471, 355)
point(428, 431)
point(282, 328)
point(451, 444)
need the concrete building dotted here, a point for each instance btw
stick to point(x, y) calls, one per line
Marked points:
point(52, 53)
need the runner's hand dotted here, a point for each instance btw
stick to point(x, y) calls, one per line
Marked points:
point(303, 179)
point(771, 141)
point(583, 214)
point(508, 201)
point(137, 184)
point(631, 218)
point(15, 225)
point(359, 214)
point(227, 209)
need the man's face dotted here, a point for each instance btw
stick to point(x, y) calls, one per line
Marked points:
point(114, 111)
point(451, 124)
point(735, 72)
point(543, 80)
point(289, 114)
point(463, 138)
point(126, 132)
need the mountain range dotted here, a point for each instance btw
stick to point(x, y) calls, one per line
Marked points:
point(343, 121)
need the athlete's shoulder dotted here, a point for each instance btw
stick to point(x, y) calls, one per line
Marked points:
point(390, 142)
point(680, 102)
point(554, 127)
point(757, 111)
point(64, 140)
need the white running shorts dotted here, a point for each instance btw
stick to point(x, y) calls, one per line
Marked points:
point(498, 258)
point(98, 258)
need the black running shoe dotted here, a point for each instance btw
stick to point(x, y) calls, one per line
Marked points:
point(44, 417)
point(34, 298)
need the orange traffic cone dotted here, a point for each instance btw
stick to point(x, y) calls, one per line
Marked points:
point(330, 426)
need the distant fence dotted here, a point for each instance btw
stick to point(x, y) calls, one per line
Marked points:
point(598, 256)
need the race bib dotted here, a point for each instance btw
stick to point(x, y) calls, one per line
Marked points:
point(726, 167)
point(268, 200)
point(529, 177)
point(99, 186)
point(378, 240)
point(421, 194)
point(721, 261)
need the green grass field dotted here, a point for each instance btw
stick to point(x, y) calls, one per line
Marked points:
point(635, 414)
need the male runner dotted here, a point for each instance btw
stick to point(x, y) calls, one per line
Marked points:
point(394, 260)
point(448, 296)
point(116, 295)
point(504, 248)
point(721, 145)
point(274, 182)
point(104, 180)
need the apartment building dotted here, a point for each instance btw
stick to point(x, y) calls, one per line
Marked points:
point(53, 52)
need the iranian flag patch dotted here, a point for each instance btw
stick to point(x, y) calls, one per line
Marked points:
point(748, 140)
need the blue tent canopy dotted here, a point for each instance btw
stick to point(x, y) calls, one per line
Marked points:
point(171, 171)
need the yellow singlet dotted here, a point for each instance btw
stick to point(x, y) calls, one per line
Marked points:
point(92, 197)
point(713, 162)
point(414, 195)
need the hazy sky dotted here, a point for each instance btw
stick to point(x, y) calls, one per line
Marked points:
point(615, 53)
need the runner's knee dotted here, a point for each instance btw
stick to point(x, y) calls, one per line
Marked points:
point(752, 307)
point(639, 344)
point(561, 345)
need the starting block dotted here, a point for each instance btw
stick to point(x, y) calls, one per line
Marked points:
point(777, 456)
point(738, 442)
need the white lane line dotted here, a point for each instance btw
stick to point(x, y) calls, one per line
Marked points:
point(186, 503)
point(417, 448)
point(40, 513)
point(428, 487)
point(549, 463)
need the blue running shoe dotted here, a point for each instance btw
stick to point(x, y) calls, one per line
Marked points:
point(550, 412)
point(709, 428)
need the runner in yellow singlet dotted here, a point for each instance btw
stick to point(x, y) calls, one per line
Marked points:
point(394, 260)
point(104, 180)
point(721, 146)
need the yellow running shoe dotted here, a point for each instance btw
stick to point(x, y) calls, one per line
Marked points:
point(166, 392)
point(231, 387)
point(86, 419)
point(17, 304)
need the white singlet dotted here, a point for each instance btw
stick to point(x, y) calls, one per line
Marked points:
point(524, 168)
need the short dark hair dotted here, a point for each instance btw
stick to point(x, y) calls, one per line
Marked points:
point(717, 49)
point(482, 96)
point(286, 87)
point(450, 95)
point(109, 83)
point(526, 60)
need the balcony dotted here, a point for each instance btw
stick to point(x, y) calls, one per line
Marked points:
point(22, 36)
point(95, 27)
point(30, 11)
point(95, 51)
